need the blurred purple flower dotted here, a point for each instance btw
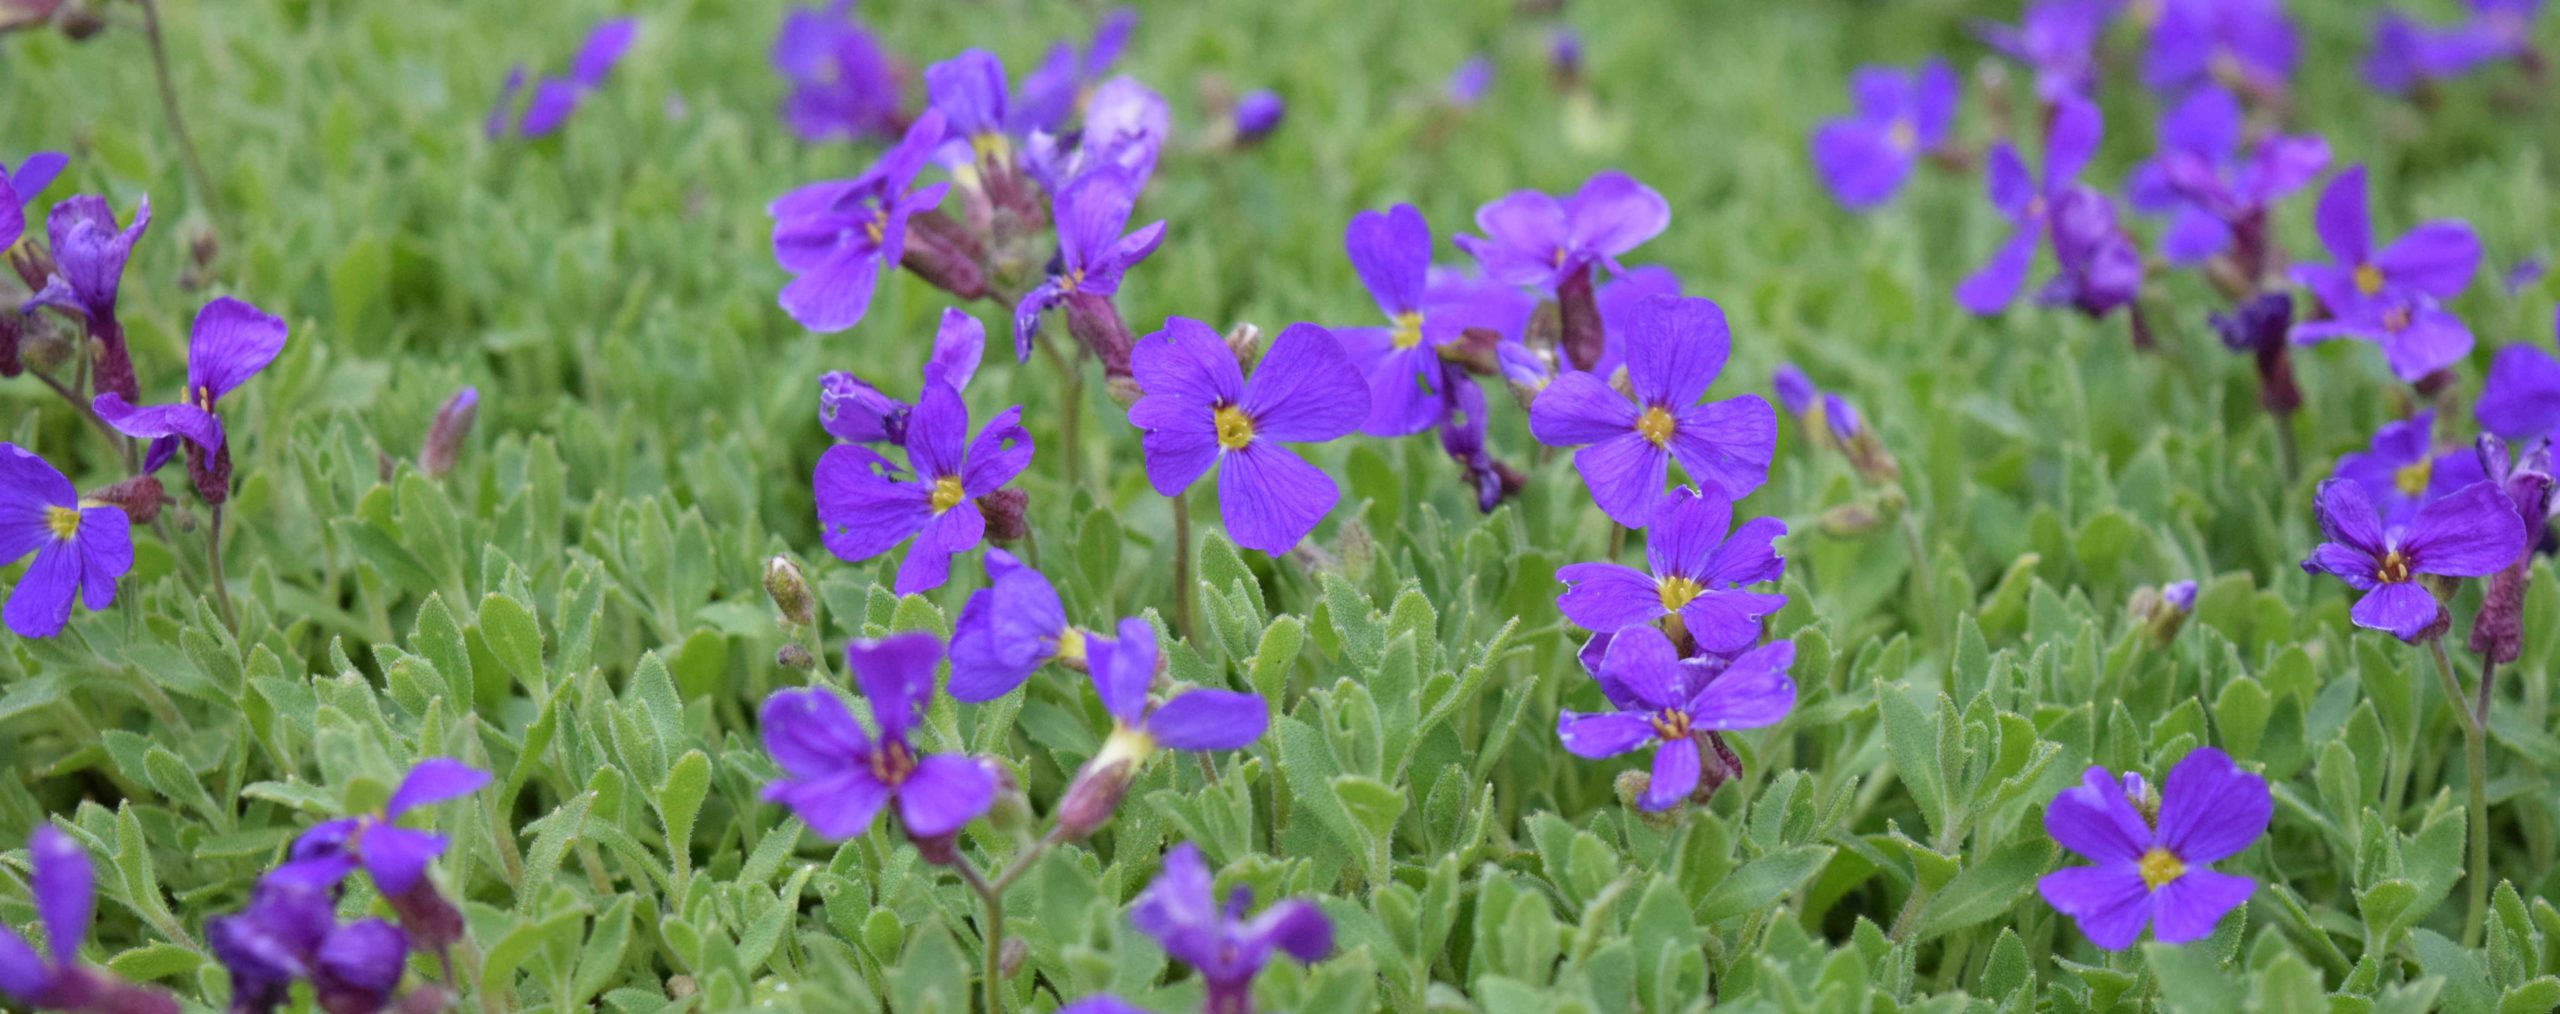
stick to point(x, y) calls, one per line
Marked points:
point(837, 236)
point(1181, 910)
point(555, 98)
point(65, 889)
point(2245, 45)
point(843, 84)
point(2403, 470)
point(2521, 399)
point(1467, 84)
point(1901, 115)
point(2058, 39)
point(2028, 205)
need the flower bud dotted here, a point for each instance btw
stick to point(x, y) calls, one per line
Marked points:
point(795, 657)
point(932, 257)
point(1258, 113)
point(1245, 341)
point(1583, 335)
point(1006, 511)
point(1850, 520)
point(13, 326)
point(81, 22)
point(46, 344)
point(1096, 323)
point(790, 591)
point(1010, 956)
point(432, 922)
point(444, 438)
point(1100, 784)
point(211, 474)
point(1631, 786)
point(1477, 349)
point(1124, 390)
point(140, 497)
point(940, 850)
point(2161, 612)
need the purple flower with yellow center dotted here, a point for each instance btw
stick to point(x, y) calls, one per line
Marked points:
point(2240, 44)
point(2521, 399)
point(89, 254)
point(1009, 628)
point(1226, 944)
point(65, 889)
point(2435, 260)
point(863, 512)
point(1533, 240)
point(2058, 39)
point(1675, 349)
point(394, 856)
point(1698, 571)
point(19, 186)
point(836, 237)
point(970, 91)
point(1093, 255)
point(1902, 114)
point(2151, 853)
point(2069, 142)
point(1669, 703)
point(851, 409)
point(2471, 532)
point(1467, 84)
point(555, 98)
point(1425, 310)
point(82, 547)
point(837, 777)
point(1124, 667)
point(232, 342)
point(1199, 412)
point(2404, 470)
point(2417, 334)
point(843, 84)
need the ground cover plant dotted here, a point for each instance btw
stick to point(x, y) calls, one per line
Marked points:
point(1327, 506)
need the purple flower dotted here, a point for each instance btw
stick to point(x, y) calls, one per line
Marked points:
point(2435, 260)
point(2151, 854)
point(232, 341)
point(1533, 240)
point(1467, 84)
point(1257, 114)
point(2407, 54)
point(1049, 94)
point(863, 512)
point(2072, 139)
point(2404, 471)
point(290, 932)
point(1675, 349)
point(1901, 115)
point(82, 548)
point(2245, 44)
point(89, 253)
point(2211, 186)
point(19, 187)
point(2522, 396)
point(1425, 310)
point(1698, 574)
point(65, 889)
point(1092, 253)
point(1668, 702)
point(2180, 595)
point(1102, 1005)
point(2525, 273)
point(2100, 268)
point(835, 237)
point(837, 778)
point(1796, 392)
point(1124, 130)
point(2418, 335)
point(1462, 436)
point(556, 97)
point(970, 90)
point(1007, 629)
point(1564, 52)
point(394, 856)
point(2059, 40)
point(2471, 532)
point(851, 409)
point(1123, 669)
point(1180, 909)
point(842, 83)
point(1200, 412)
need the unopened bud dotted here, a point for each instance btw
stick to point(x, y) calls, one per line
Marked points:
point(790, 591)
point(940, 849)
point(1006, 511)
point(2161, 612)
point(1357, 551)
point(681, 986)
point(1012, 809)
point(1010, 956)
point(1477, 349)
point(1095, 794)
point(1631, 786)
point(81, 22)
point(140, 497)
point(432, 922)
point(13, 326)
point(46, 343)
point(1096, 323)
point(1545, 327)
point(452, 426)
point(1245, 341)
point(795, 657)
point(1850, 520)
point(1584, 336)
point(1124, 390)
point(1258, 113)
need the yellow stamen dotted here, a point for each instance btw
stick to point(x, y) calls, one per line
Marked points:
point(1408, 330)
point(1235, 429)
point(1676, 591)
point(2412, 478)
point(2394, 569)
point(892, 762)
point(2368, 279)
point(1657, 425)
point(947, 493)
point(1070, 647)
point(1902, 136)
point(2160, 866)
point(63, 522)
point(204, 398)
point(1671, 724)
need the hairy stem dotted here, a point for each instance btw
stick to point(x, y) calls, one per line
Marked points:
point(169, 106)
point(213, 557)
point(2475, 743)
point(1182, 565)
point(993, 937)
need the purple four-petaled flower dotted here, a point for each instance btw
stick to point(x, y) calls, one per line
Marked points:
point(2058, 39)
point(89, 253)
point(1675, 349)
point(1901, 115)
point(82, 548)
point(394, 856)
point(1007, 629)
point(2247, 45)
point(2028, 204)
point(19, 186)
point(851, 409)
point(232, 341)
point(837, 777)
point(1091, 213)
point(837, 236)
point(2150, 852)
point(1698, 571)
point(1124, 668)
point(843, 84)
point(1534, 240)
point(1199, 412)
point(1425, 310)
point(2404, 470)
point(290, 932)
point(1223, 943)
point(2394, 295)
point(863, 511)
point(1670, 702)
point(2471, 532)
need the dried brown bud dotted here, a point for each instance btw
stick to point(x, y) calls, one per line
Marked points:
point(1005, 511)
point(793, 656)
point(140, 497)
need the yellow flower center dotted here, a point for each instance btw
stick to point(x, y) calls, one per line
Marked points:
point(1903, 136)
point(2411, 480)
point(1124, 743)
point(1408, 329)
point(204, 398)
point(63, 522)
point(991, 145)
point(947, 493)
point(877, 228)
point(1235, 429)
point(2368, 279)
point(1676, 591)
point(2160, 866)
point(1657, 425)
point(1671, 724)
point(1070, 647)
point(2394, 569)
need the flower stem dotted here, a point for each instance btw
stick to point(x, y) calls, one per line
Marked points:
point(1924, 586)
point(2286, 445)
point(2475, 742)
point(993, 936)
point(169, 105)
point(1182, 565)
point(221, 589)
point(1070, 415)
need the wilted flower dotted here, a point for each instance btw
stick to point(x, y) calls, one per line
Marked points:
point(851, 409)
point(2151, 855)
point(1123, 670)
point(1901, 115)
point(1199, 412)
point(2404, 470)
point(836, 237)
point(1674, 352)
point(82, 547)
point(89, 254)
point(2028, 205)
point(1698, 574)
point(1182, 912)
point(1007, 629)
point(864, 512)
point(1671, 703)
point(2471, 532)
point(65, 889)
point(232, 341)
point(842, 83)
point(555, 98)
point(837, 777)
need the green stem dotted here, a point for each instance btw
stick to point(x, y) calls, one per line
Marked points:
point(993, 936)
point(169, 105)
point(221, 589)
point(2475, 743)
point(1182, 564)
point(1070, 415)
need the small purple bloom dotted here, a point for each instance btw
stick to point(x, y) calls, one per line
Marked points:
point(837, 777)
point(1257, 114)
point(1564, 52)
point(1698, 574)
point(555, 98)
point(2405, 471)
point(970, 91)
point(1181, 910)
point(1795, 390)
point(2216, 189)
point(1532, 240)
point(1092, 253)
point(89, 254)
point(82, 548)
point(863, 512)
point(290, 932)
point(2418, 335)
point(2180, 595)
point(1425, 310)
point(1674, 352)
point(2521, 399)
point(1007, 629)
point(1050, 93)
point(2028, 206)
point(843, 84)
point(2525, 273)
point(1199, 412)
point(65, 889)
point(2240, 44)
point(2059, 40)
point(2471, 532)
point(2100, 268)
point(1467, 84)
point(851, 409)
point(1102, 1005)
point(836, 237)
point(1666, 701)
point(2407, 54)
point(394, 856)
point(1901, 115)
point(2151, 855)
point(2436, 259)
point(232, 342)
point(1124, 130)
point(1123, 669)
